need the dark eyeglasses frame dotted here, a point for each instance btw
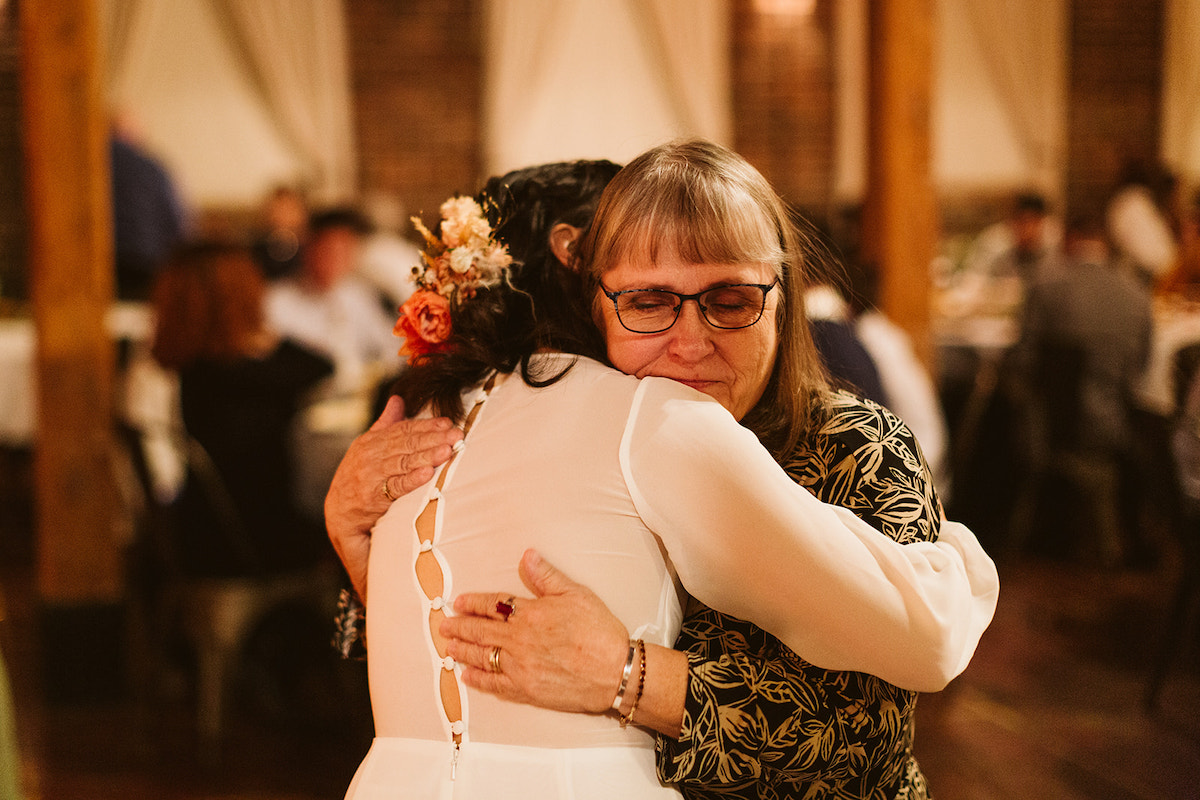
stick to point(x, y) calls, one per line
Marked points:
point(765, 288)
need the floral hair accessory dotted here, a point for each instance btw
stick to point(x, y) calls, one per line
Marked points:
point(453, 268)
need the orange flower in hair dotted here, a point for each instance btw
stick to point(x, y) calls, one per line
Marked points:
point(424, 324)
point(464, 259)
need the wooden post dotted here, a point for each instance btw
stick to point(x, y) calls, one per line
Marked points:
point(79, 574)
point(900, 221)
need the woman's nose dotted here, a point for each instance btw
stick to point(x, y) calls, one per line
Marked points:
point(691, 335)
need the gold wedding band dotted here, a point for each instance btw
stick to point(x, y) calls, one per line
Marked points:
point(494, 660)
point(386, 491)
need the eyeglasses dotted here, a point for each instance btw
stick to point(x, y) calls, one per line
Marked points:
point(737, 305)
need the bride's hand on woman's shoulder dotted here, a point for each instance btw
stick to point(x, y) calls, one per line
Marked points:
point(393, 457)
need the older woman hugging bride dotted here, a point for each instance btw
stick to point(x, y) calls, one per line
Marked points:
point(636, 488)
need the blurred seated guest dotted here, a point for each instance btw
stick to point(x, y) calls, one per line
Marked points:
point(843, 354)
point(241, 385)
point(386, 258)
point(1139, 219)
point(1008, 256)
point(149, 219)
point(326, 306)
point(1184, 278)
point(906, 380)
point(1185, 445)
point(277, 244)
point(329, 309)
point(1102, 309)
point(1098, 313)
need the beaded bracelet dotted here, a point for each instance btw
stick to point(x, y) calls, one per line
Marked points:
point(616, 704)
point(350, 626)
point(628, 718)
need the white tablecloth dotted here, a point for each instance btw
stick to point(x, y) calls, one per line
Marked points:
point(1175, 326)
point(151, 397)
point(17, 388)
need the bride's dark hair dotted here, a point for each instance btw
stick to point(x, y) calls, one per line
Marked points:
point(543, 307)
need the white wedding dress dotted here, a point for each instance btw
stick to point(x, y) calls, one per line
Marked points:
point(605, 476)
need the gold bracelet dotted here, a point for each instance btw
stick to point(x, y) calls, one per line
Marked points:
point(628, 718)
point(616, 704)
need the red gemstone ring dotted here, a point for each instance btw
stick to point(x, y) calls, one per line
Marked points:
point(505, 608)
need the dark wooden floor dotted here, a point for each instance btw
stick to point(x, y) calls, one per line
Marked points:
point(1051, 707)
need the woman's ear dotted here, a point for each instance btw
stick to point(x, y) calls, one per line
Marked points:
point(562, 241)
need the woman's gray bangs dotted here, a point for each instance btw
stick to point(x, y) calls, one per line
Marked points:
point(702, 222)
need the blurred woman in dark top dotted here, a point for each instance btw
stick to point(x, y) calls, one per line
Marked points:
point(240, 388)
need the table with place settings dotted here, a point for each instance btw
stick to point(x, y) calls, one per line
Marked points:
point(1176, 325)
point(146, 394)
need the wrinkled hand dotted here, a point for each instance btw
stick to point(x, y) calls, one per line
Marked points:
point(403, 452)
point(562, 650)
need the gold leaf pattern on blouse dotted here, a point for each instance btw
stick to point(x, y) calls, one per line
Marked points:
point(760, 722)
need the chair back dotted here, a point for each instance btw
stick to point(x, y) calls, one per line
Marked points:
point(1058, 375)
point(220, 510)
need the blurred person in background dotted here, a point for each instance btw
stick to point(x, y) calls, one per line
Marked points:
point(1088, 332)
point(1010, 255)
point(1140, 219)
point(911, 392)
point(329, 309)
point(241, 385)
point(283, 230)
point(149, 218)
point(386, 258)
point(850, 364)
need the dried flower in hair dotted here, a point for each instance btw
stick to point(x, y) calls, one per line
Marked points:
point(455, 265)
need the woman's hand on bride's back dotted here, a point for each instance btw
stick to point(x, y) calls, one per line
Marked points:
point(562, 649)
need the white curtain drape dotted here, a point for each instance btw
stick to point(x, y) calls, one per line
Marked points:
point(519, 39)
point(571, 79)
point(1181, 87)
point(295, 55)
point(128, 35)
point(296, 51)
point(697, 83)
point(1023, 45)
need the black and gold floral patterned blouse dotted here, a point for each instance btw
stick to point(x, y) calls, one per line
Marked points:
point(760, 722)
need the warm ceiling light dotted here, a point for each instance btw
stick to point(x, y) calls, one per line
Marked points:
point(793, 7)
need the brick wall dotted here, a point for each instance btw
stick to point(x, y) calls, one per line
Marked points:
point(784, 104)
point(13, 280)
point(415, 69)
point(1115, 94)
point(783, 100)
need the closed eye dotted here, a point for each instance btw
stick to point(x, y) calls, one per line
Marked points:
point(732, 299)
point(648, 301)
